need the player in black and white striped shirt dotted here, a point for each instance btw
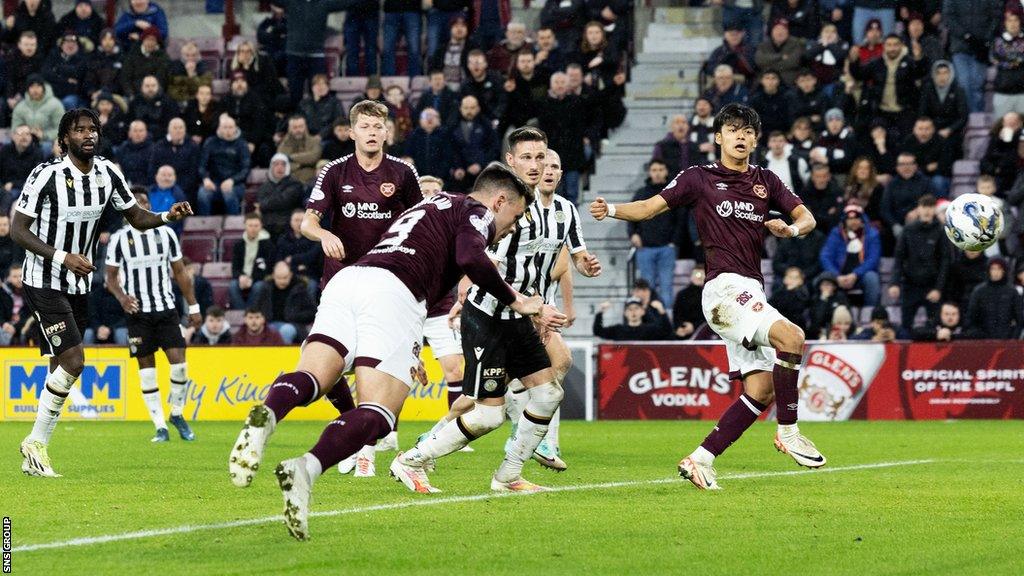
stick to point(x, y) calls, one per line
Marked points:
point(56, 221)
point(145, 260)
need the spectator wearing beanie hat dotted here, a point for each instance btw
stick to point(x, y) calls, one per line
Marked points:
point(852, 254)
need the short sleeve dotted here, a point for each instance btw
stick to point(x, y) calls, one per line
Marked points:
point(780, 197)
point(174, 248)
point(30, 201)
point(114, 250)
point(411, 193)
point(320, 199)
point(684, 189)
point(121, 198)
point(575, 238)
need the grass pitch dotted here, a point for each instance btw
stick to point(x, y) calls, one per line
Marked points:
point(952, 502)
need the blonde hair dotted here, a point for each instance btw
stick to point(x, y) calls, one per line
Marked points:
point(370, 108)
point(236, 64)
point(431, 180)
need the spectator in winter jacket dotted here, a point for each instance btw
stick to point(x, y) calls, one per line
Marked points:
point(285, 302)
point(879, 330)
point(902, 194)
point(809, 100)
point(823, 197)
point(634, 326)
point(453, 56)
point(153, 107)
point(794, 299)
point(789, 167)
point(597, 55)
point(141, 16)
point(439, 97)
point(64, 69)
point(560, 120)
point(339, 142)
point(502, 56)
point(36, 16)
point(17, 160)
point(773, 103)
point(967, 269)
point(223, 168)
point(1008, 56)
point(995, 307)
point(944, 101)
point(891, 81)
point(187, 74)
point(487, 86)
point(107, 321)
point(827, 55)
point(827, 299)
point(1001, 159)
point(802, 252)
point(655, 239)
point(104, 66)
point(24, 61)
point(933, 155)
point(113, 114)
point(84, 22)
point(201, 115)
point(475, 144)
point(972, 25)
point(725, 90)
point(945, 328)
point(921, 265)
point(272, 34)
point(564, 20)
point(927, 36)
point(302, 148)
point(164, 192)
point(252, 258)
point(735, 52)
point(215, 329)
point(836, 146)
point(279, 196)
point(781, 52)
point(10, 252)
point(134, 155)
point(524, 91)
point(864, 189)
point(852, 255)
point(687, 310)
point(145, 59)
point(321, 108)
point(801, 17)
point(430, 146)
point(177, 150)
point(550, 56)
point(40, 111)
point(251, 114)
point(677, 151)
point(302, 254)
point(255, 332)
point(260, 74)
point(15, 310)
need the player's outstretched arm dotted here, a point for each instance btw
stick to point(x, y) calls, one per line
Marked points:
point(803, 223)
point(22, 234)
point(142, 219)
point(631, 211)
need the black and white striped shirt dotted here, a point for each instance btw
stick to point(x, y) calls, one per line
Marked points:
point(66, 206)
point(527, 256)
point(145, 260)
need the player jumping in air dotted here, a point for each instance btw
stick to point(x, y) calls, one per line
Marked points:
point(56, 221)
point(500, 345)
point(145, 262)
point(732, 200)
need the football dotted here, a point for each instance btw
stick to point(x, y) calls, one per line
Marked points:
point(973, 222)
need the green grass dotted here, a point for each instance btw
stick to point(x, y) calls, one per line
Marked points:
point(961, 514)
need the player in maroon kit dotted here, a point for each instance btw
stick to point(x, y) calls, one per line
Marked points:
point(732, 200)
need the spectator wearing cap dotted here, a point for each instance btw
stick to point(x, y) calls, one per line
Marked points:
point(251, 114)
point(677, 151)
point(734, 51)
point(994, 310)
point(973, 26)
point(36, 16)
point(864, 11)
point(921, 265)
point(188, 73)
point(440, 97)
point(747, 15)
point(725, 89)
point(104, 66)
point(903, 193)
point(967, 269)
point(802, 252)
point(634, 326)
point(362, 27)
point(430, 146)
point(944, 328)
point(809, 100)
point(452, 57)
point(279, 196)
point(374, 92)
point(152, 106)
point(944, 101)
point(564, 19)
point(788, 166)
point(933, 155)
point(892, 82)
point(40, 111)
point(802, 16)
point(852, 254)
point(178, 151)
point(836, 146)
point(655, 240)
point(141, 16)
point(1008, 56)
point(223, 167)
point(402, 18)
point(879, 329)
point(134, 154)
point(321, 108)
point(773, 103)
point(84, 22)
point(793, 299)
point(146, 58)
point(781, 52)
point(688, 309)
point(64, 69)
point(826, 56)
point(22, 62)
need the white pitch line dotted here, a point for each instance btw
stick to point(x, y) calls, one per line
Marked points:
point(433, 502)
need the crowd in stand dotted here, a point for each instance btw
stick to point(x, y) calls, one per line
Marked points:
point(865, 105)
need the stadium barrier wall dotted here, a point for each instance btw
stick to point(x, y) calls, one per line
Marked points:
point(839, 381)
point(226, 381)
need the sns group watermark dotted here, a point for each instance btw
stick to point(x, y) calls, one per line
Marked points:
point(7, 545)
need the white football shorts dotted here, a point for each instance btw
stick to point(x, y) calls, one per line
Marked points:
point(443, 340)
point(737, 310)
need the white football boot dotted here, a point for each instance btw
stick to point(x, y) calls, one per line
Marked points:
point(800, 449)
point(547, 456)
point(519, 485)
point(247, 452)
point(347, 465)
point(297, 491)
point(37, 460)
point(366, 463)
point(412, 474)
point(701, 474)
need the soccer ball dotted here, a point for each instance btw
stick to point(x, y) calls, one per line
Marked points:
point(973, 222)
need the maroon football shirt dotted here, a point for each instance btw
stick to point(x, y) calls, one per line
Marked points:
point(361, 204)
point(443, 306)
point(731, 208)
point(434, 243)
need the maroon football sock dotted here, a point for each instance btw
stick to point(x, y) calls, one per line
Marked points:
point(291, 390)
point(787, 395)
point(341, 397)
point(743, 412)
point(454, 391)
point(351, 431)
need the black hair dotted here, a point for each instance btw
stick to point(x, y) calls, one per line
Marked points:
point(215, 311)
point(526, 134)
point(737, 115)
point(497, 177)
point(892, 35)
point(656, 161)
point(69, 119)
point(254, 310)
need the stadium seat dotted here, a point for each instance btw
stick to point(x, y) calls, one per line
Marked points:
point(965, 168)
point(217, 270)
point(979, 120)
point(257, 176)
point(174, 45)
point(960, 189)
point(199, 249)
point(221, 293)
point(234, 224)
point(400, 81)
point(235, 319)
point(204, 225)
point(227, 246)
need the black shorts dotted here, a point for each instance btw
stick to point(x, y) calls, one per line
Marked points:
point(62, 318)
point(497, 351)
point(151, 331)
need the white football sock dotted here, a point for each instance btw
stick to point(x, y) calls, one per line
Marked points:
point(179, 383)
point(788, 431)
point(313, 467)
point(556, 420)
point(437, 426)
point(454, 435)
point(151, 395)
point(50, 404)
point(516, 398)
point(702, 455)
point(533, 425)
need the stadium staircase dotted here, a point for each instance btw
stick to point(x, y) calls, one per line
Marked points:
point(671, 45)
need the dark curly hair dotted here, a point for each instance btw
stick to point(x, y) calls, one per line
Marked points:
point(69, 119)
